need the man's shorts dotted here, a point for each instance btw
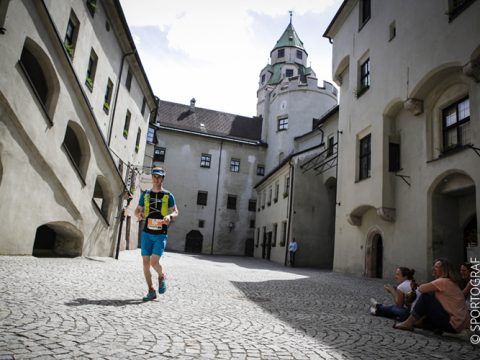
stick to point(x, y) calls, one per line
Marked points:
point(153, 244)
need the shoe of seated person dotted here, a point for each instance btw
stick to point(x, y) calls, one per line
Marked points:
point(152, 295)
point(162, 285)
point(373, 310)
point(373, 302)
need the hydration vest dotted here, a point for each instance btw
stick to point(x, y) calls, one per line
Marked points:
point(146, 203)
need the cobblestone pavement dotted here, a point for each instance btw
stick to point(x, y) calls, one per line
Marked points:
point(215, 308)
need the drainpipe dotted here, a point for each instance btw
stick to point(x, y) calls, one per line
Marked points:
point(290, 206)
point(110, 124)
point(216, 195)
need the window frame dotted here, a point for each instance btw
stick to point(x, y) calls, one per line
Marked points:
point(234, 165)
point(282, 124)
point(457, 125)
point(231, 202)
point(202, 198)
point(365, 13)
point(205, 161)
point(364, 156)
point(160, 157)
point(261, 170)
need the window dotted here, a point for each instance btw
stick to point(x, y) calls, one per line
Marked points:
point(364, 158)
point(91, 70)
point(289, 72)
point(108, 96)
point(137, 142)
point(202, 198)
point(299, 54)
point(71, 35)
point(128, 81)
point(101, 200)
point(201, 224)
point(393, 157)
point(281, 53)
point(232, 202)
point(252, 205)
point(263, 79)
point(126, 126)
point(252, 223)
point(275, 230)
point(260, 170)
point(277, 190)
point(330, 145)
point(92, 6)
point(234, 165)
point(144, 105)
point(282, 124)
point(205, 160)
point(269, 196)
point(456, 124)
point(365, 12)
point(75, 145)
point(258, 237)
point(287, 186)
point(456, 7)
point(159, 154)
point(364, 77)
point(3, 14)
point(264, 196)
point(151, 135)
point(35, 75)
point(284, 233)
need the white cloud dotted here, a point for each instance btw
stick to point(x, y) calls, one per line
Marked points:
point(218, 56)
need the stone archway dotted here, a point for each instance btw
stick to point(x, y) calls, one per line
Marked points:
point(57, 239)
point(194, 242)
point(374, 255)
point(452, 202)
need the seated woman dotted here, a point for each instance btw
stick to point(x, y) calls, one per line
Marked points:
point(465, 285)
point(441, 306)
point(403, 295)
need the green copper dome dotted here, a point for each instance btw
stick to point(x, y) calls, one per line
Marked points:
point(289, 38)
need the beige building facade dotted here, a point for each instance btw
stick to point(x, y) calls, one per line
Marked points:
point(70, 80)
point(409, 171)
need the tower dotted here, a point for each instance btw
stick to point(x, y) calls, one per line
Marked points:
point(288, 97)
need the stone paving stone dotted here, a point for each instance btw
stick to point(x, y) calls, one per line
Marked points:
point(241, 308)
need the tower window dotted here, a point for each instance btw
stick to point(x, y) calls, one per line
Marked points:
point(299, 54)
point(281, 53)
point(289, 72)
point(282, 124)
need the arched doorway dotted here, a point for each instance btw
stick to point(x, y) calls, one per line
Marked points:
point(454, 220)
point(374, 256)
point(57, 240)
point(194, 242)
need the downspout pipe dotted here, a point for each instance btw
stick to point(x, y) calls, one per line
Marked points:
point(110, 127)
point(216, 196)
point(290, 207)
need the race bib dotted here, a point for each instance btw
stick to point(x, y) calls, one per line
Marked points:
point(154, 224)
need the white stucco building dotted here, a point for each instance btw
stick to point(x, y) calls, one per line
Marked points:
point(212, 159)
point(296, 199)
point(409, 164)
point(74, 107)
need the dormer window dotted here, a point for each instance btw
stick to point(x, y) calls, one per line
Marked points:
point(281, 53)
point(299, 54)
point(289, 72)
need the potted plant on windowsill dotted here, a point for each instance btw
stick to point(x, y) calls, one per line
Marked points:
point(89, 83)
point(285, 194)
point(106, 107)
point(137, 147)
point(125, 133)
point(70, 49)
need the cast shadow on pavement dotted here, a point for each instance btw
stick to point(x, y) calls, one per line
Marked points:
point(106, 302)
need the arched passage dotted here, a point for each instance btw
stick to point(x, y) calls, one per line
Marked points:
point(57, 239)
point(453, 217)
point(194, 242)
point(374, 254)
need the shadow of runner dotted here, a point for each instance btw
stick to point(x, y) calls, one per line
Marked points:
point(109, 302)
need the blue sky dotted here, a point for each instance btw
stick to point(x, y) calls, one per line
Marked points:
point(213, 50)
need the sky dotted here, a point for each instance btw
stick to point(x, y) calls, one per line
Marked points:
point(214, 50)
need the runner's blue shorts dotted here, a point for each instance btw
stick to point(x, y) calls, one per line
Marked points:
point(153, 244)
